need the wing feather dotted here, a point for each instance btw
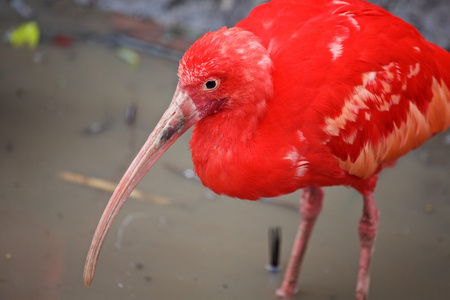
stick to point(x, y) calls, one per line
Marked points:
point(391, 112)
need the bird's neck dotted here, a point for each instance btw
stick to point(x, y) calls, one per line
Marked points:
point(232, 127)
point(223, 142)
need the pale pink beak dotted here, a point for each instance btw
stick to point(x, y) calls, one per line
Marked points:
point(179, 117)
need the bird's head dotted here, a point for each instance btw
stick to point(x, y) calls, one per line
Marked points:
point(224, 72)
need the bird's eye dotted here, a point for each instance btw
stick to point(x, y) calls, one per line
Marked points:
point(210, 85)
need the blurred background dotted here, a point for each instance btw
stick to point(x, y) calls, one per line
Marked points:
point(77, 103)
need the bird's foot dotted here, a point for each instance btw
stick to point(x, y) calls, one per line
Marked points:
point(286, 293)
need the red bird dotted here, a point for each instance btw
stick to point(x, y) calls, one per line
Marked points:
point(300, 94)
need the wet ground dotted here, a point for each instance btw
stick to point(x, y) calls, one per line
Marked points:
point(198, 246)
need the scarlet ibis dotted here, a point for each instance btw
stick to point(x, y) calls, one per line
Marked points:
point(300, 94)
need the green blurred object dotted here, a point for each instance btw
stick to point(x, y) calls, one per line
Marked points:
point(26, 34)
point(128, 55)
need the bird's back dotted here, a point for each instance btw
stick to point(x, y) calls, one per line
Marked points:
point(360, 83)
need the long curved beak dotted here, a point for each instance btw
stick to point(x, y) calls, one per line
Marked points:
point(179, 117)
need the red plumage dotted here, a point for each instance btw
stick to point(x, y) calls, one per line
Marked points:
point(372, 40)
point(301, 94)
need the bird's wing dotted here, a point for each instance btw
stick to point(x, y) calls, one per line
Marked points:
point(374, 85)
point(398, 100)
point(391, 111)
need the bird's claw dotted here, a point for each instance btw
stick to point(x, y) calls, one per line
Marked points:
point(286, 293)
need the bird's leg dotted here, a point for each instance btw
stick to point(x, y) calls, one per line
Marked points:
point(368, 226)
point(310, 206)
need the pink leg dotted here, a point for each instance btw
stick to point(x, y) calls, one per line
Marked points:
point(368, 226)
point(310, 206)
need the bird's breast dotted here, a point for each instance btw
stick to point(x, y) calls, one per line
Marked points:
point(245, 169)
point(261, 166)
